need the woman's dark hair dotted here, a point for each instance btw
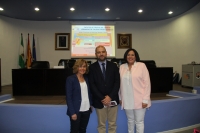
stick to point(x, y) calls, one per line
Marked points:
point(136, 54)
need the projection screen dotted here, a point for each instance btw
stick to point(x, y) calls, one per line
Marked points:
point(85, 38)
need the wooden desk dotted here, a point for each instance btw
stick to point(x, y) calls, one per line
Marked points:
point(161, 79)
point(39, 81)
point(52, 81)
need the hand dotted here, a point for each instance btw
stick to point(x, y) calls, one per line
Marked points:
point(74, 117)
point(144, 105)
point(91, 109)
point(106, 100)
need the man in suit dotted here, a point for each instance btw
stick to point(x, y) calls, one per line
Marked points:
point(104, 82)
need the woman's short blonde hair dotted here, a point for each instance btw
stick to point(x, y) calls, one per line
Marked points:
point(79, 63)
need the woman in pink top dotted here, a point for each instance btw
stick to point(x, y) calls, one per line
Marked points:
point(135, 90)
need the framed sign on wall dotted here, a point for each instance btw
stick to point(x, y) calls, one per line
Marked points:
point(124, 41)
point(62, 41)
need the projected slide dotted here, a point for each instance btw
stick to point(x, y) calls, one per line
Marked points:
point(85, 38)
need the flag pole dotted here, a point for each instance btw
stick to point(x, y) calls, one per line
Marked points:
point(34, 50)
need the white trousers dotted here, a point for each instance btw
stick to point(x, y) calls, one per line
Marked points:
point(135, 117)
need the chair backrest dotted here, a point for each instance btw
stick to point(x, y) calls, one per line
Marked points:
point(118, 62)
point(121, 60)
point(68, 63)
point(149, 63)
point(40, 65)
point(89, 63)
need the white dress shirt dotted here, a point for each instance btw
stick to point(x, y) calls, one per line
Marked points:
point(85, 104)
point(128, 98)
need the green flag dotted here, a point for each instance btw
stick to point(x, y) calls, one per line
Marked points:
point(21, 54)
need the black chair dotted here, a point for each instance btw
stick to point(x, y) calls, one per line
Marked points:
point(40, 65)
point(89, 63)
point(68, 63)
point(149, 63)
point(118, 61)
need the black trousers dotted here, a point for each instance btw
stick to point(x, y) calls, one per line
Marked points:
point(80, 124)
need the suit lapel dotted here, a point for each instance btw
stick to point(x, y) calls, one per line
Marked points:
point(86, 80)
point(78, 84)
point(107, 69)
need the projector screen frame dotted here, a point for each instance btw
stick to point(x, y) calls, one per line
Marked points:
point(110, 34)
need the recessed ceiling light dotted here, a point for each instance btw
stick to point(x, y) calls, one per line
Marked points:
point(72, 9)
point(37, 9)
point(170, 12)
point(1, 9)
point(140, 11)
point(107, 9)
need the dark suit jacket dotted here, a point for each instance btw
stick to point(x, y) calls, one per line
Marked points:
point(73, 94)
point(100, 87)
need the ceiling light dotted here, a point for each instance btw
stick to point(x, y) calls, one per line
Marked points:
point(72, 9)
point(37, 9)
point(58, 17)
point(107, 9)
point(1, 9)
point(140, 11)
point(117, 17)
point(170, 12)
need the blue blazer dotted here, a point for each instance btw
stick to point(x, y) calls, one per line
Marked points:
point(73, 94)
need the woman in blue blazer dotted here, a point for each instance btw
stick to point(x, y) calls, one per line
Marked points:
point(78, 97)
